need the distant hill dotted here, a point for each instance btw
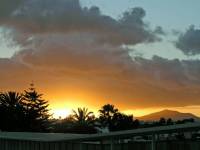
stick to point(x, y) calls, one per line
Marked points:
point(174, 115)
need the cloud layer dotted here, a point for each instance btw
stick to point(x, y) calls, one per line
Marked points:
point(189, 42)
point(36, 16)
point(69, 48)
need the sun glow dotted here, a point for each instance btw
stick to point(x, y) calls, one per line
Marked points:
point(61, 113)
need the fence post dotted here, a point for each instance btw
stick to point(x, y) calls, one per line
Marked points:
point(101, 145)
point(153, 142)
point(80, 145)
point(111, 144)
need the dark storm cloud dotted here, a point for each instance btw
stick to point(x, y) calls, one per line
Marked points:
point(189, 42)
point(7, 7)
point(36, 16)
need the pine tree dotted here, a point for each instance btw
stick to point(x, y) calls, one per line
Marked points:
point(37, 112)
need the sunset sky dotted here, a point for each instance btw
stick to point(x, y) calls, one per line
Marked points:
point(140, 55)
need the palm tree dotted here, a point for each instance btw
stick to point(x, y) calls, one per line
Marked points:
point(84, 122)
point(82, 115)
point(11, 111)
point(10, 99)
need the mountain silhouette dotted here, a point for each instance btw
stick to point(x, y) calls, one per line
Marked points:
point(174, 115)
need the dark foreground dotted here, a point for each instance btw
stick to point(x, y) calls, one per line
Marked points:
point(156, 138)
point(164, 145)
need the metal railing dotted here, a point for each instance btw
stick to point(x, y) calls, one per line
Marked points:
point(59, 141)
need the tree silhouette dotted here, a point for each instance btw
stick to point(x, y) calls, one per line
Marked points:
point(169, 121)
point(83, 122)
point(106, 114)
point(82, 115)
point(162, 121)
point(37, 112)
point(11, 111)
point(121, 122)
point(10, 99)
point(29, 112)
point(136, 123)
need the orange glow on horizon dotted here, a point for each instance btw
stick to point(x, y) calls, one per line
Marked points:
point(142, 112)
point(60, 113)
point(62, 103)
point(62, 110)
